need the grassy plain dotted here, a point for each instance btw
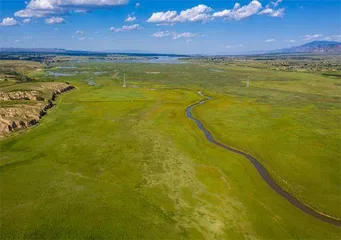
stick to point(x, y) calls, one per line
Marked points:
point(126, 163)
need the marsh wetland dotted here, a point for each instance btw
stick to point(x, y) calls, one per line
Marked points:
point(114, 162)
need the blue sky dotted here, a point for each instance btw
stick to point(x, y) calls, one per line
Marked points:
point(168, 26)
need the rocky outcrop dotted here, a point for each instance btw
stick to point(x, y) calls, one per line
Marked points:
point(20, 116)
point(20, 95)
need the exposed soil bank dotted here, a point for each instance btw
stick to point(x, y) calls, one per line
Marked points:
point(20, 116)
point(261, 170)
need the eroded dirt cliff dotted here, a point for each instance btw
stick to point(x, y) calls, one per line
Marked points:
point(20, 109)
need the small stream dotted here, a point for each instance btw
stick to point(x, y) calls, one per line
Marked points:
point(261, 170)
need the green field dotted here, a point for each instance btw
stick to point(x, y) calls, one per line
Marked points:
point(126, 163)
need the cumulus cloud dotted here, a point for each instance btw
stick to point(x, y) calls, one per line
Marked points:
point(202, 13)
point(198, 13)
point(130, 19)
point(125, 28)
point(270, 40)
point(54, 20)
point(44, 8)
point(195, 14)
point(272, 12)
point(162, 17)
point(79, 32)
point(8, 22)
point(312, 36)
point(240, 12)
point(291, 41)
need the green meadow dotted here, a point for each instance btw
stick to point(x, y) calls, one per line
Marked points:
point(109, 162)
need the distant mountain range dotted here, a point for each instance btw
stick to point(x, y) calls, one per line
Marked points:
point(62, 51)
point(313, 47)
point(39, 50)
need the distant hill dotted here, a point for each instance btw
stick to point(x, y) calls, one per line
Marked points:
point(43, 50)
point(61, 51)
point(313, 47)
point(32, 50)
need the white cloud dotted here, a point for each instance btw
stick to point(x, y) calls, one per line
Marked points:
point(174, 35)
point(184, 35)
point(17, 41)
point(238, 12)
point(27, 37)
point(54, 20)
point(82, 38)
point(189, 40)
point(125, 28)
point(7, 22)
point(162, 17)
point(202, 13)
point(272, 12)
point(224, 13)
point(291, 41)
point(137, 5)
point(79, 32)
point(161, 34)
point(41, 8)
point(27, 20)
point(312, 36)
point(44, 8)
point(198, 13)
point(130, 19)
point(195, 14)
point(270, 40)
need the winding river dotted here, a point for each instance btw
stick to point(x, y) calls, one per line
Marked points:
point(261, 170)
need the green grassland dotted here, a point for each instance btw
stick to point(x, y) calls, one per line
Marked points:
point(16, 71)
point(126, 163)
